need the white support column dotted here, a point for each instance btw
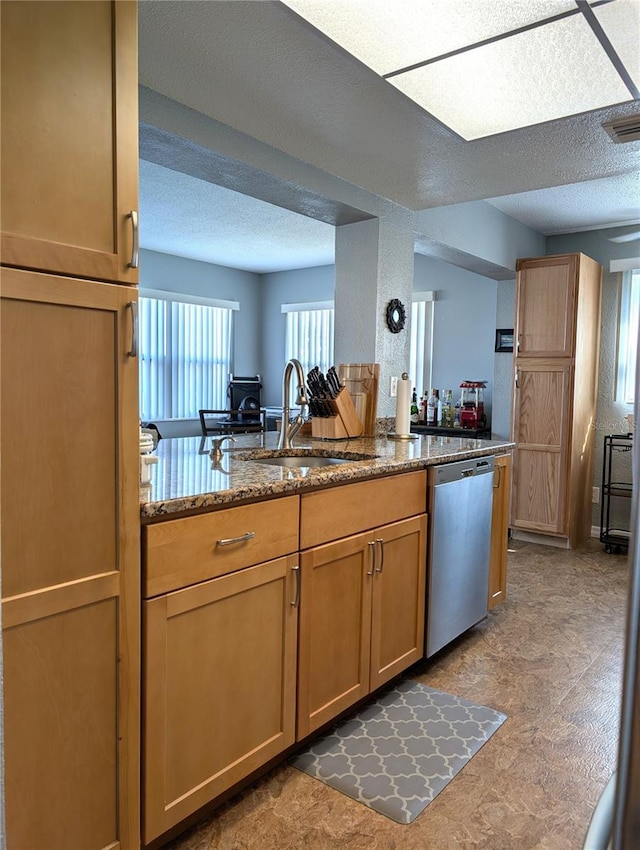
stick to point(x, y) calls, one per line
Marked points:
point(374, 264)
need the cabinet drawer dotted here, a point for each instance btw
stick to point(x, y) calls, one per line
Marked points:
point(351, 508)
point(185, 551)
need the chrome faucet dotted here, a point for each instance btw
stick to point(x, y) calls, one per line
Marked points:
point(216, 447)
point(288, 430)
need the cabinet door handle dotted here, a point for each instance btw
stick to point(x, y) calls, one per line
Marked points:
point(135, 242)
point(518, 343)
point(516, 379)
point(296, 571)
point(381, 542)
point(372, 550)
point(133, 351)
point(497, 475)
point(227, 541)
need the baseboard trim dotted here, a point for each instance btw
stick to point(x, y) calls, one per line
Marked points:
point(595, 532)
point(543, 539)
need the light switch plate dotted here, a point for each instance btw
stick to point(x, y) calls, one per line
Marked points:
point(393, 389)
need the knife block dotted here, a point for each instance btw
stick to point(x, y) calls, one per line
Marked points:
point(343, 425)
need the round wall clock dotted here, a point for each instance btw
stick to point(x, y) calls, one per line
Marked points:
point(396, 316)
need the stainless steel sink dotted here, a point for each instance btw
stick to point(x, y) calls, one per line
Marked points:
point(303, 458)
point(299, 461)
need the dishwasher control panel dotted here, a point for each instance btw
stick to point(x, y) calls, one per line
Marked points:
point(447, 472)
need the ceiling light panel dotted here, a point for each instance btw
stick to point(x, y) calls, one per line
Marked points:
point(621, 23)
point(549, 72)
point(388, 35)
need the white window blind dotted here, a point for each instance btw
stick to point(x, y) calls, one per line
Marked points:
point(309, 334)
point(628, 336)
point(185, 356)
point(421, 349)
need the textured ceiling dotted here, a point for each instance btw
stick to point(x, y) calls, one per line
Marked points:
point(607, 202)
point(258, 68)
point(188, 217)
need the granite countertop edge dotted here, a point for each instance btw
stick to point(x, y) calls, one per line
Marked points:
point(242, 481)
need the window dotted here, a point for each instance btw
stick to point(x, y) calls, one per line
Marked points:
point(185, 354)
point(421, 341)
point(628, 336)
point(309, 334)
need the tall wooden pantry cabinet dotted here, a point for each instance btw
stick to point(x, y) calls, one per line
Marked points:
point(555, 392)
point(69, 430)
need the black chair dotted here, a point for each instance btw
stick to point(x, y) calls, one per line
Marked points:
point(238, 421)
point(244, 395)
point(245, 415)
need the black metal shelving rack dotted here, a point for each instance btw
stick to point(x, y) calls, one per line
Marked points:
point(612, 534)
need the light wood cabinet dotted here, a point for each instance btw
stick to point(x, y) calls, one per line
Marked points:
point(70, 563)
point(362, 597)
point(546, 306)
point(69, 143)
point(189, 550)
point(219, 683)
point(499, 530)
point(555, 393)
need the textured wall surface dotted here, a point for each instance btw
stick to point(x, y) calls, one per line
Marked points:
point(610, 414)
point(503, 364)
point(177, 274)
point(277, 288)
point(374, 264)
point(464, 324)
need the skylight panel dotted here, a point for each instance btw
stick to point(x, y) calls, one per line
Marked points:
point(482, 67)
point(539, 75)
point(621, 23)
point(387, 35)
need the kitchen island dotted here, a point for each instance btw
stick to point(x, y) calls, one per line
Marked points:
point(275, 599)
point(185, 480)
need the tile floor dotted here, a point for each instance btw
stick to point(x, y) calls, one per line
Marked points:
point(550, 658)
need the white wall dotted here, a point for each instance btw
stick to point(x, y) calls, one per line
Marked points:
point(465, 313)
point(503, 364)
point(464, 324)
point(178, 274)
point(609, 414)
point(288, 287)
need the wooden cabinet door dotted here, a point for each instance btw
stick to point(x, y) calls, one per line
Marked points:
point(335, 630)
point(545, 310)
point(70, 562)
point(398, 603)
point(219, 687)
point(541, 432)
point(69, 138)
point(499, 530)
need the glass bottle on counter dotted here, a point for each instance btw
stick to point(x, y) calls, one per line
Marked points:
point(423, 407)
point(414, 415)
point(447, 409)
point(432, 408)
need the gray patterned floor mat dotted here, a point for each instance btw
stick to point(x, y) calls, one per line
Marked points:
point(397, 753)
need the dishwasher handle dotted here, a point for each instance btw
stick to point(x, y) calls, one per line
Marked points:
point(447, 473)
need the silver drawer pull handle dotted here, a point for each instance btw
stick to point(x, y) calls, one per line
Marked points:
point(135, 244)
point(227, 541)
point(381, 542)
point(133, 351)
point(372, 550)
point(296, 571)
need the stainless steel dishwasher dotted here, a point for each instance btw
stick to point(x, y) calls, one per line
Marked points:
point(460, 504)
